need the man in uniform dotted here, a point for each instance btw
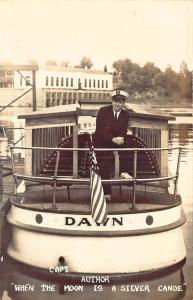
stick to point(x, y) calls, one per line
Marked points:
point(111, 130)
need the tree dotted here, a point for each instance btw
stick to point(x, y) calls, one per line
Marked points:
point(185, 81)
point(172, 85)
point(86, 62)
point(105, 69)
point(51, 62)
point(64, 63)
point(32, 61)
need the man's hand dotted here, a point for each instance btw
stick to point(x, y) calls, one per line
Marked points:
point(119, 140)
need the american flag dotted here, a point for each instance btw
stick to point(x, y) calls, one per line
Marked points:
point(98, 201)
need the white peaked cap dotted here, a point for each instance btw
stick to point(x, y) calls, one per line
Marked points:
point(119, 93)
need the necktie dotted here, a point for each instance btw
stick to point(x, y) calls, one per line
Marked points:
point(116, 115)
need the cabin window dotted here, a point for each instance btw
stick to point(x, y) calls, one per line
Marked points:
point(47, 80)
point(52, 81)
point(106, 84)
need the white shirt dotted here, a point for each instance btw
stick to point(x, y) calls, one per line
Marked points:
point(118, 113)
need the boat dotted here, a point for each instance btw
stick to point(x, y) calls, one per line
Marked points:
point(52, 229)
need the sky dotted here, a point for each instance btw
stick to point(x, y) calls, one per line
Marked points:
point(158, 31)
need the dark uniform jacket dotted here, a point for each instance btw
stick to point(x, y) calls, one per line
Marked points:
point(107, 127)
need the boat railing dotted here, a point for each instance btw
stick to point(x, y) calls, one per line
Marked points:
point(75, 179)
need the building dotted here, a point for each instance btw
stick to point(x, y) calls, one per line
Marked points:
point(54, 86)
point(65, 85)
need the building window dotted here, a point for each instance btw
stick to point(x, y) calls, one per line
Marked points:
point(47, 99)
point(85, 83)
point(89, 83)
point(59, 94)
point(27, 81)
point(106, 84)
point(98, 83)
point(62, 81)
point(102, 84)
point(71, 82)
point(52, 81)
point(74, 96)
point(47, 102)
point(53, 99)
point(79, 84)
point(57, 81)
point(94, 82)
point(64, 96)
point(67, 81)
point(47, 81)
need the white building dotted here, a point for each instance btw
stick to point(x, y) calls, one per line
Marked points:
point(66, 85)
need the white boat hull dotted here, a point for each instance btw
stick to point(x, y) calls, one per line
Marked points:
point(114, 248)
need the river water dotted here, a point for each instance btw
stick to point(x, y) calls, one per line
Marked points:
point(172, 284)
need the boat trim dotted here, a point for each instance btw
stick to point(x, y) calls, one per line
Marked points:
point(108, 233)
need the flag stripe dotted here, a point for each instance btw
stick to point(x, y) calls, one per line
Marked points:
point(98, 202)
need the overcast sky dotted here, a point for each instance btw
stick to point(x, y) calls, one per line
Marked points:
point(107, 30)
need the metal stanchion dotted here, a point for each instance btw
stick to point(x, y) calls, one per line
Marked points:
point(55, 178)
point(177, 174)
point(133, 207)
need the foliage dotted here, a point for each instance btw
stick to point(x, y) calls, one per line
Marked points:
point(86, 62)
point(152, 80)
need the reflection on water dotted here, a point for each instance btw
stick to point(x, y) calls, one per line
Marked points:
point(171, 284)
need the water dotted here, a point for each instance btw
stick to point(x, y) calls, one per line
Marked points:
point(180, 279)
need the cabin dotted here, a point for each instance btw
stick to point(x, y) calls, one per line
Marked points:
point(67, 126)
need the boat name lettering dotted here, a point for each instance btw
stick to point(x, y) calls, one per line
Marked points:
point(113, 221)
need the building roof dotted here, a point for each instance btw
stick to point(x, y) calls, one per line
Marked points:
point(72, 69)
point(76, 109)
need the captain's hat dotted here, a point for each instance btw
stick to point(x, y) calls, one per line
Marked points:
point(119, 94)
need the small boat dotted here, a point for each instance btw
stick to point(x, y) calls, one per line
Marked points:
point(50, 211)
